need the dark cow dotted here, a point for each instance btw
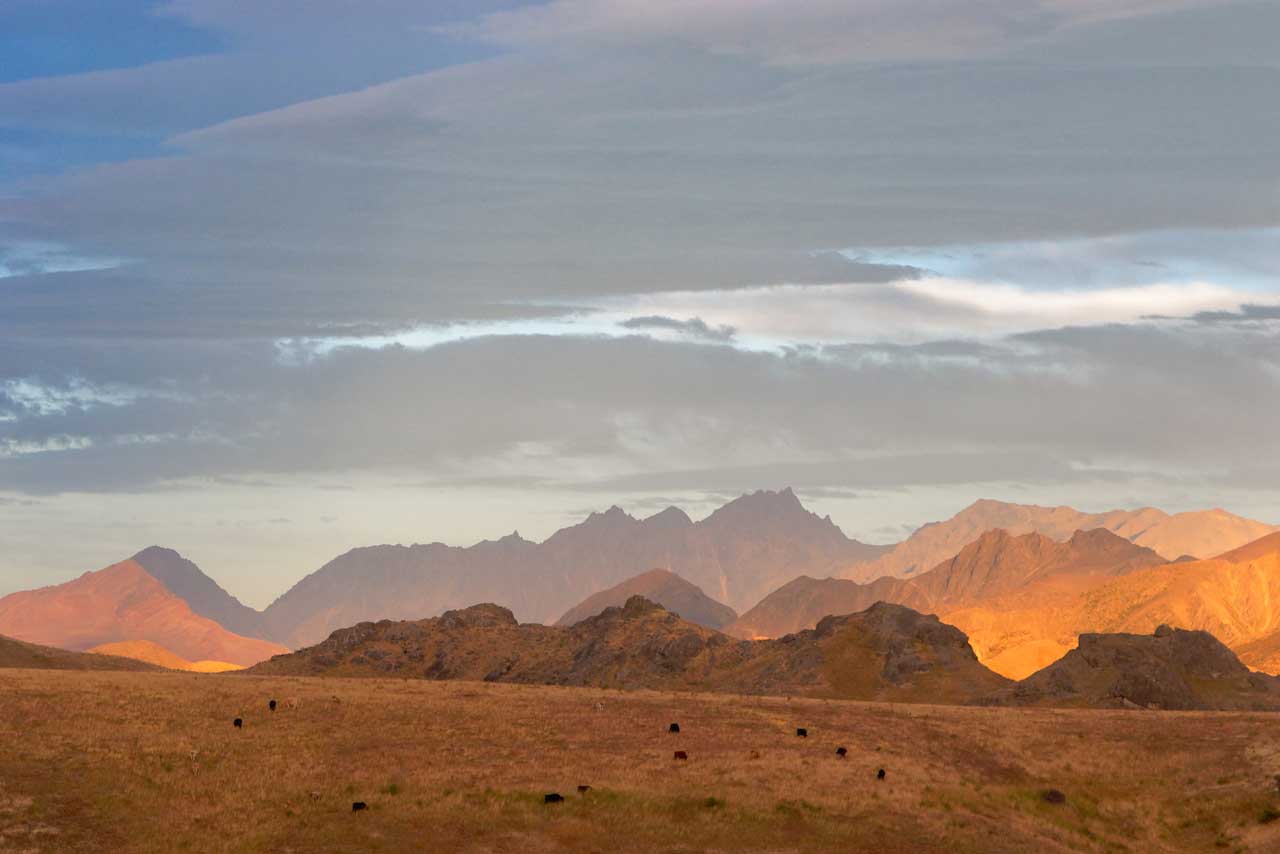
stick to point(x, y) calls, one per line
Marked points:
point(272, 705)
point(842, 752)
point(553, 798)
point(237, 723)
point(880, 774)
point(680, 754)
point(357, 806)
point(801, 732)
point(582, 790)
point(673, 728)
point(1053, 796)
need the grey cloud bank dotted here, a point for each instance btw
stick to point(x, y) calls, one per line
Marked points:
point(716, 250)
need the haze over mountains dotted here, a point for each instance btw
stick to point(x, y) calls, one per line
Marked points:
point(1201, 533)
point(737, 555)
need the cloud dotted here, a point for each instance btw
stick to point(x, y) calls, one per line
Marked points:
point(694, 327)
point(810, 33)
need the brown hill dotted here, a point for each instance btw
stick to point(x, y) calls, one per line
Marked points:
point(885, 652)
point(737, 555)
point(666, 589)
point(16, 653)
point(120, 603)
point(1170, 669)
point(1236, 597)
point(1200, 533)
point(996, 564)
point(153, 653)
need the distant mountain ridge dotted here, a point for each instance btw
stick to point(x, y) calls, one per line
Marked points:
point(996, 563)
point(1235, 596)
point(1201, 534)
point(736, 555)
point(663, 588)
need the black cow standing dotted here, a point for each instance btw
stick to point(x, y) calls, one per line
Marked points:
point(237, 723)
point(880, 774)
point(801, 732)
point(552, 798)
point(681, 755)
point(841, 752)
point(357, 806)
point(674, 728)
point(272, 705)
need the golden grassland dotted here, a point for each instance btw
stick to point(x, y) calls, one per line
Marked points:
point(143, 762)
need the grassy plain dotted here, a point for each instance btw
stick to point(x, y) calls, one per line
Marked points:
point(145, 762)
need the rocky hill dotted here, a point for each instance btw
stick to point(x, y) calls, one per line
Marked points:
point(16, 653)
point(885, 652)
point(666, 589)
point(736, 555)
point(1170, 669)
point(1200, 533)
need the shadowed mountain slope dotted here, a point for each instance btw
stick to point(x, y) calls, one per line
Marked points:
point(16, 653)
point(123, 603)
point(1200, 533)
point(736, 555)
point(997, 563)
point(887, 652)
point(662, 587)
point(1170, 669)
point(186, 581)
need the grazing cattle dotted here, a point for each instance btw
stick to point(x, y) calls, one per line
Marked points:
point(1053, 796)
point(880, 774)
point(842, 752)
point(292, 703)
point(552, 798)
point(237, 723)
point(315, 796)
point(582, 790)
point(271, 705)
point(357, 806)
point(801, 732)
point(755, 754)
point(673, 728)
point(680, 754)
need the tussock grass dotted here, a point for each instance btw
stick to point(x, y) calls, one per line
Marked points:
point(146, 762)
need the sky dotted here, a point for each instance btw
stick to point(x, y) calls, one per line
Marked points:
point(279, 279)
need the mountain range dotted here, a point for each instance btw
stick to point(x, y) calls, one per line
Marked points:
point(762, 554)
point(996, 563)
point(1200, 534)
point(738, 554)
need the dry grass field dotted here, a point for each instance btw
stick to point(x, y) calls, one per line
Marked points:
point(145, 762)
